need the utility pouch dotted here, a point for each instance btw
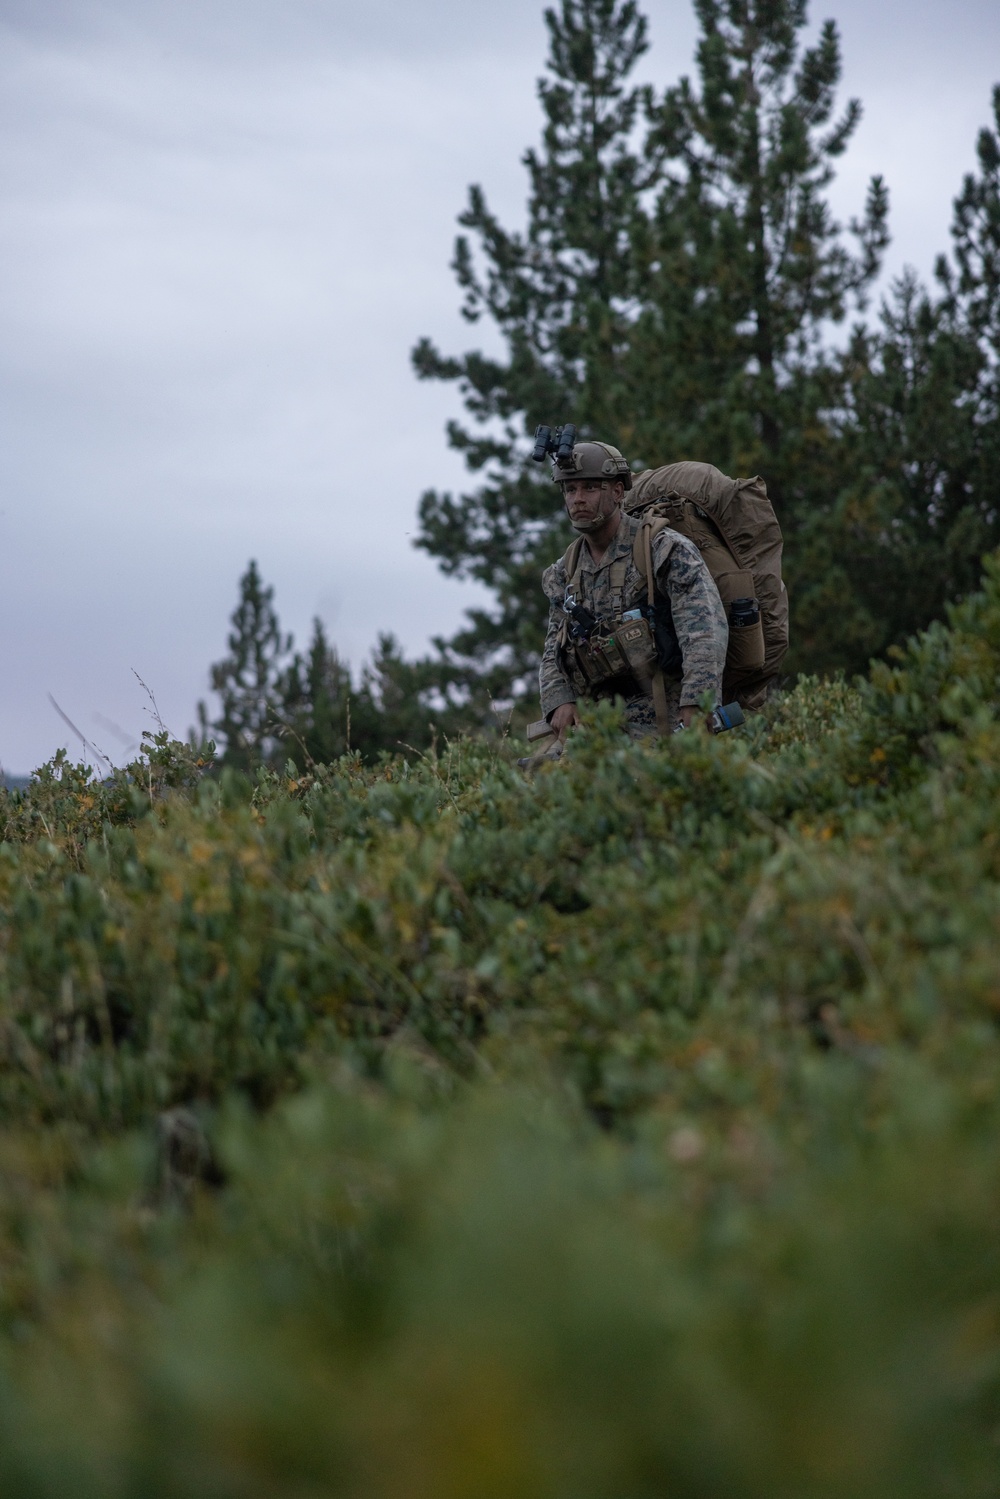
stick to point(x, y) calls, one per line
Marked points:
point(602, 658)
point(746, 632)
point(634, 639)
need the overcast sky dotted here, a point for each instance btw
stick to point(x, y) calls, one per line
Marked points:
point(225, 223)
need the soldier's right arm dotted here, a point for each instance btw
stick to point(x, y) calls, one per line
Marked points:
point(554, 686)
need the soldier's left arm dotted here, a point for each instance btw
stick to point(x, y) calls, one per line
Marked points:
point(698, 612)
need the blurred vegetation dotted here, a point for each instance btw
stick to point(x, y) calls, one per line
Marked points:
point(419, 1129)
point(273, 700)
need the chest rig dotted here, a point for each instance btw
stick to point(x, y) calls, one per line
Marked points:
point(629, 652)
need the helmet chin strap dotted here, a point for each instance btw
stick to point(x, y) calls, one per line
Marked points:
point(587, 526)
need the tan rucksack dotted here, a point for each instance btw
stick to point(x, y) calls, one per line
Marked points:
point(733, 524)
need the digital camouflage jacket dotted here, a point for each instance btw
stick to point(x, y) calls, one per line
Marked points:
point(699, 619)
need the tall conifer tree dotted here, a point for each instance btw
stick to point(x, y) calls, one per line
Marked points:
point(562, 295)
point(922, 503)
point(668, 293)
point(313, 702)
point(247, 679)
point(746, 263)
point(276, 706)
point(972, 288)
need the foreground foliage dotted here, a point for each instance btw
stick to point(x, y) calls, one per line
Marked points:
point(423, 1130)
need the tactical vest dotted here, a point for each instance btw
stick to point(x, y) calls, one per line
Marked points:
point(634, 651)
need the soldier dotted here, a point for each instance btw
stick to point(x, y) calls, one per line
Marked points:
point(688, 618)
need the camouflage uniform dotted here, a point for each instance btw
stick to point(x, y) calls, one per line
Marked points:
point(698, 616)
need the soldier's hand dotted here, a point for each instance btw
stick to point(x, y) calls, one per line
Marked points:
point(686, 716)
point(564, 718)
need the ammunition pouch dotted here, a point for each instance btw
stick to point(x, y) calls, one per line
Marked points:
point(621, 656)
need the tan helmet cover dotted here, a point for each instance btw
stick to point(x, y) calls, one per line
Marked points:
point(595, 460)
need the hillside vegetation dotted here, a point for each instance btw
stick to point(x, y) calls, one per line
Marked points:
point(424, 1130)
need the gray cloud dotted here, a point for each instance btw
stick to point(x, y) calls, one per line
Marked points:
point(237, 31)
point(224, 227)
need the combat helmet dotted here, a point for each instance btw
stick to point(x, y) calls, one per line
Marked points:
point(594, 460)
point(579, 460)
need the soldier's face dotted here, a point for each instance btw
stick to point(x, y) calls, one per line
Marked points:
point(590, 502)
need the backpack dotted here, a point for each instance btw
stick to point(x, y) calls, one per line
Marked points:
point(733, 524)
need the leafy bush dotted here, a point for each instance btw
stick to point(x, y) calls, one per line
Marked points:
point(422, 1129)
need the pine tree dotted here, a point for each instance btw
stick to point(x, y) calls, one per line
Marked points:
point(746, 263)
point(972, 288)
point(561, 295)
point(312, 703)
point(277, 706)
point(246, 680)
point(971, 311)
point(399, 706)
point(669, 294)
point(923, 504)
point(322, 716)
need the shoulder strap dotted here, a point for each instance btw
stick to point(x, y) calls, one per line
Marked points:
point(642, 556)
point(642, 553)
point(571, 563)
point(572, 560)
point(617, 573)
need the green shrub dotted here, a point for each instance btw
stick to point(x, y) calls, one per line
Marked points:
point(630, 1129)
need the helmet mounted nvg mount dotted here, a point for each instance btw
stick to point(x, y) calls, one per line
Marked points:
point(579, 460)
point(559, 443)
